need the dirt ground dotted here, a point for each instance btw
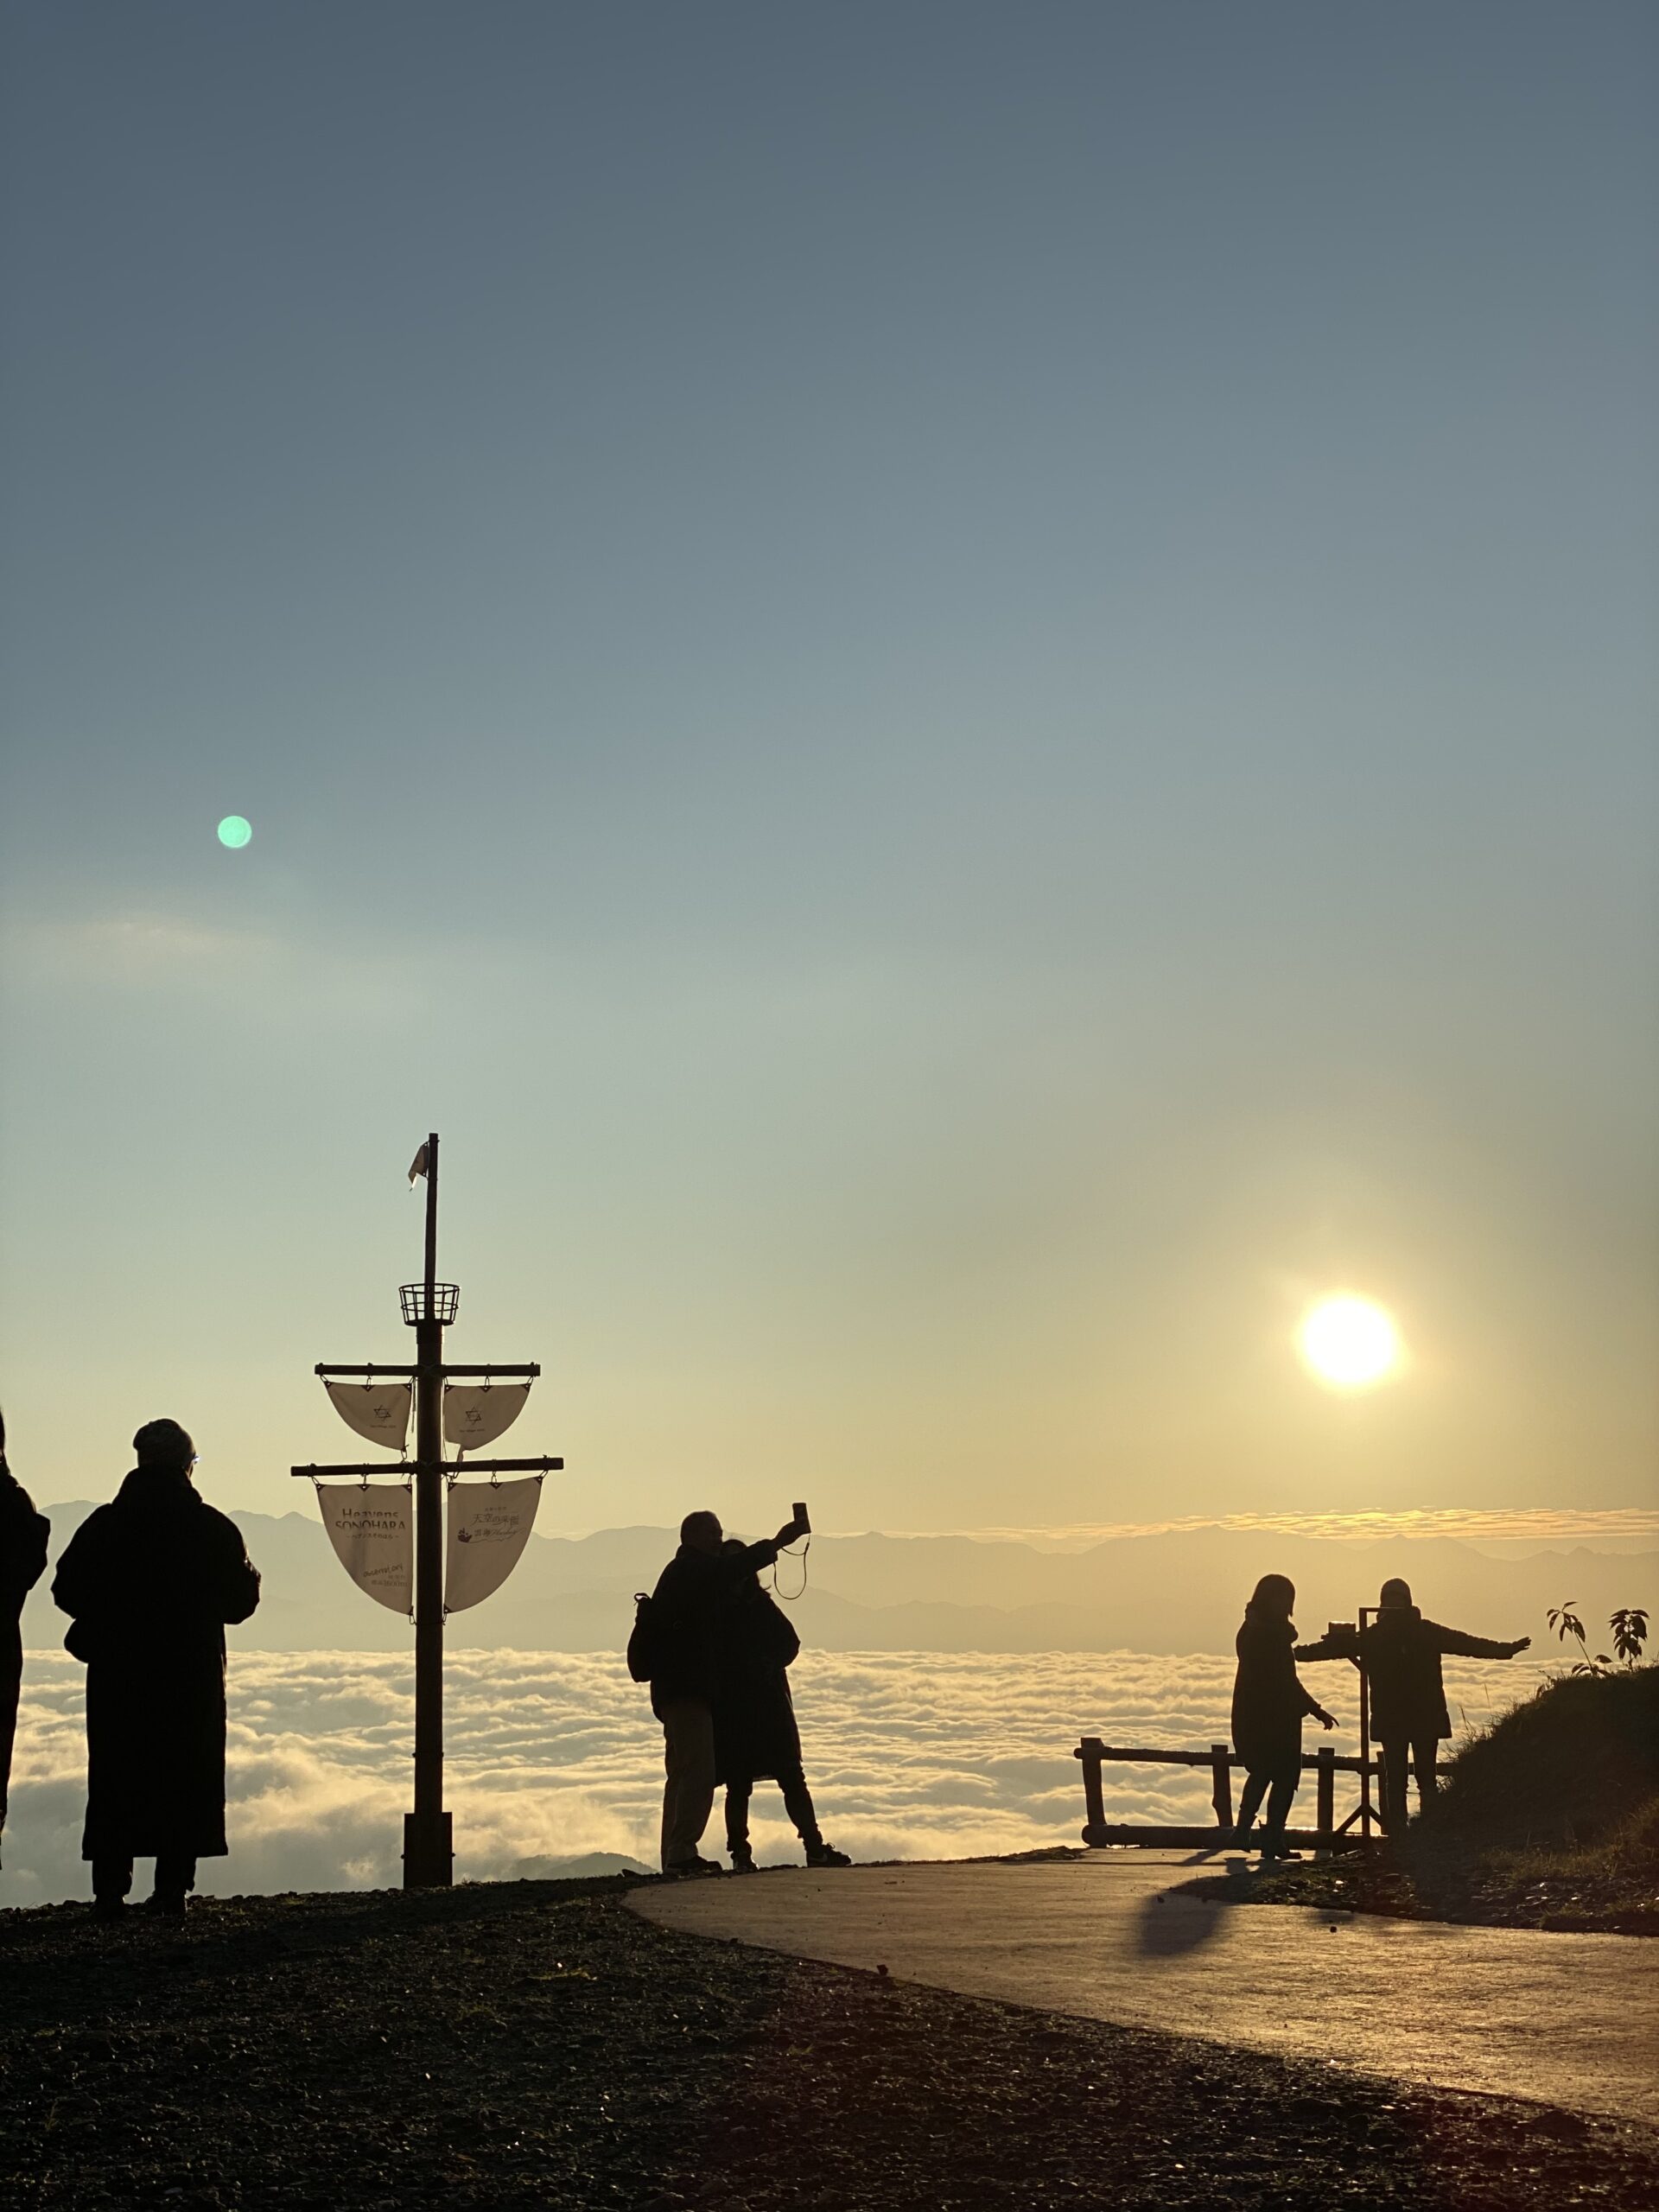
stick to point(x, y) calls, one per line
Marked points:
point(537, 2045)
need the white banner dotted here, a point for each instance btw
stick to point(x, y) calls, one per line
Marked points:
point(489, 1525)
point(474, 1417)
point(377, 1410)
point(371, 1526)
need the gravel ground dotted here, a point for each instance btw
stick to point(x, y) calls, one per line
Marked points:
point(537, 2045)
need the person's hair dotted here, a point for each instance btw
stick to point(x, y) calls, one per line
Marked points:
point(1396, 1590)
point(701, 1519)
point(732, 1549)
point(1275, 1593)
point(163, 1444)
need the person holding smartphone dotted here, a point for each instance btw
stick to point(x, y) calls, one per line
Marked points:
point(676, 1648)
point(756, 1735)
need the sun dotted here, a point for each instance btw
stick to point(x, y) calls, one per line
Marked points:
point(1349, 1343)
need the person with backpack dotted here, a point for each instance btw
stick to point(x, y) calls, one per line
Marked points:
point(676, 1647)
point(756, 1735)
point(151, 1580)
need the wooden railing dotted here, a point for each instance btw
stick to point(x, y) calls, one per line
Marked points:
point(1327, 1763)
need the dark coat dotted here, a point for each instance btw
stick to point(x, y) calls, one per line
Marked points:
point(151, 1579)
point(1400, 1652)
point(687, 1606)
point(1269, 1703)
point(23, 1533)
point(755, 1730)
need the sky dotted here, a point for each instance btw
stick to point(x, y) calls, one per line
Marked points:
point(968, 693)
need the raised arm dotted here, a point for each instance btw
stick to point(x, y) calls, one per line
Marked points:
point(755, 1556)
point(1341, 1643)
point(1456, 1645)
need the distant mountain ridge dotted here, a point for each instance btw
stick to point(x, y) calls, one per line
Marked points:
point(1179, 1591)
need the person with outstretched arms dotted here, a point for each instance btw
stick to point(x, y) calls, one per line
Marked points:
point(1400, 1653)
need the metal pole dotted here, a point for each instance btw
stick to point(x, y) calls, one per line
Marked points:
point(428, 1853)
point(1364, 1733)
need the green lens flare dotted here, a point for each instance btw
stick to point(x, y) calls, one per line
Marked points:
point(235, 831)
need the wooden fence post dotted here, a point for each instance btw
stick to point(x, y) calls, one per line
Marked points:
point(1222, 1796)
point(1325, 1821)
point(1090, 1752)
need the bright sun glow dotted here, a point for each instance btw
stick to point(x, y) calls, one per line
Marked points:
point(1349, 1343)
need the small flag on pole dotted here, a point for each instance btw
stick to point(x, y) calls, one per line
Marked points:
point(417, 1165)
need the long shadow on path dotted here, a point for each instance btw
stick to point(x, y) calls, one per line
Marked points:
point(1457, 2007)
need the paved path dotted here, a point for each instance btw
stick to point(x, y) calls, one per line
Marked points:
point(1566, 2020)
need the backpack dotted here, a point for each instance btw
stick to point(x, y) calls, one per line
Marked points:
point(644, 1644)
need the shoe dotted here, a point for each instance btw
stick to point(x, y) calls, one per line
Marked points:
point(1278, 1853)
point(742, 1859)
point(166, 1904)
point(109, 1908)
point(824, 1854)
point(1240, 1839)
point(683, 1869)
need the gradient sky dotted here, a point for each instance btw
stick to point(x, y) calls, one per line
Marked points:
point(968, 692)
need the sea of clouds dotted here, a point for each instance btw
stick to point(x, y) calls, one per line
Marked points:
point(911, 1755)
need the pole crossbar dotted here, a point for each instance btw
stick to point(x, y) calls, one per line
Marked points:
point(378, 1367)
point(408, 1467)
point(428, 1829)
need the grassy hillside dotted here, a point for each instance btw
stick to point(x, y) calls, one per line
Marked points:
point(1575, 1767)
point(1548, 1819)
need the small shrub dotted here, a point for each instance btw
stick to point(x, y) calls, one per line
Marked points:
point(1628, 1625)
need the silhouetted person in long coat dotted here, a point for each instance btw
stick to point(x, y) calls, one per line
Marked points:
point(23, 1533)
point(756, 1735)
point(1400, 1653)
point(1268, 1705)
point(692, 1594)
point(151, 1580)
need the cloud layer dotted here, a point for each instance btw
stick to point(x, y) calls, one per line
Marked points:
point(909, 1755)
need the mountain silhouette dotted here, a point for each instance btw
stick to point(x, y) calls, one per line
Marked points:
point(1176, 1591)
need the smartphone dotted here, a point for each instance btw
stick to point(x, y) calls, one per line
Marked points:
point(801, 1520)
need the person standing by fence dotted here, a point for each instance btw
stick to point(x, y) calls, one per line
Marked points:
point(1268, 1705)
point(23, 1534)
point(151, 1579)
point(1400, 1653)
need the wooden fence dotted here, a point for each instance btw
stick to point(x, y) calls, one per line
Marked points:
point(1326, 1834)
